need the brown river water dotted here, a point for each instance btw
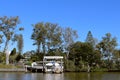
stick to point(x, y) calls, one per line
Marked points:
point(63, 76)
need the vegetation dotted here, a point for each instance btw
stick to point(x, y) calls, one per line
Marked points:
point(46, 36)
point(9, 66)
point(90, 39)
point(7, 29)
point(54, 40)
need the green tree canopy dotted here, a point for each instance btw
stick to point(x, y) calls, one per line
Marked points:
point(46, 36)
point(13, 52)
point(107, 45)
point(83, 52)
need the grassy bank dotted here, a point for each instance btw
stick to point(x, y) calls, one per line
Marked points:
point(10, 66)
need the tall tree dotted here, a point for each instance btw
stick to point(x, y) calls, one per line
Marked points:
point(90, 39)
point(46, 35)
point(69, 36)
point(12, 56)
point(53, 35)
point(8, 25)
point(107, 45)
point(38, 35)
point(13, 52)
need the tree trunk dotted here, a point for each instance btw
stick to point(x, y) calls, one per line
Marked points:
point(43, 46)
point(6, 46)
point(38, 50)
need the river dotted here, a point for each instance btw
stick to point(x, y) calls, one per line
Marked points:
point(63, 76)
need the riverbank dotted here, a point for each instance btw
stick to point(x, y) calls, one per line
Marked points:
point(20, 68)
point(24, 70)
point(12, 70)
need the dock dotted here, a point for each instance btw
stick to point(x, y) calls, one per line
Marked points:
point(36, 68)
point(49, 64)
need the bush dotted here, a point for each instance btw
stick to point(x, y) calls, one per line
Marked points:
point(69, 65)
point(80, 66)
point(117, 65)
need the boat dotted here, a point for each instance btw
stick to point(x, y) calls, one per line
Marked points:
point(53, 64)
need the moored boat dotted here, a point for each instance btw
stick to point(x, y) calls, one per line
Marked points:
point(53, 64)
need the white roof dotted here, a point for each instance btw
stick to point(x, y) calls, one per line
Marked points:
point(53, 57)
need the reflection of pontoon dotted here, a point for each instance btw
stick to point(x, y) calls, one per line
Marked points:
point(53, 64)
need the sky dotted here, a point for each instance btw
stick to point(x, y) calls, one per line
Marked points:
point(98, 16)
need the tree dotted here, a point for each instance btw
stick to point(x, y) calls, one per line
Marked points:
point(69, 36)
point(54, 34)
point(46, 36)
point(107, 45)
point(12, 55)
point(90, 39)
point(8, 25)
point(39, 35)
point(83, 52)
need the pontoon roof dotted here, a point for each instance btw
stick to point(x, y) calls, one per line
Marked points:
point(53, 57)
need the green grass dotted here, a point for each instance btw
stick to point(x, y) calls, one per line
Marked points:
point(9, 66)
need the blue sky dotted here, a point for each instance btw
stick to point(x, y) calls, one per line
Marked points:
point(98, 16)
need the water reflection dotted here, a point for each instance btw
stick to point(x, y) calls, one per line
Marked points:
point(10, 76)
point(63, 76)
point(53, 76)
